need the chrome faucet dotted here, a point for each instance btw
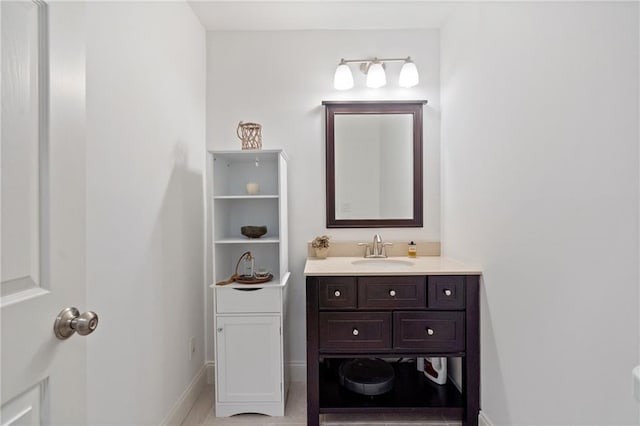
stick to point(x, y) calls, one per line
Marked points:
point(377, 245)
point(377, 248)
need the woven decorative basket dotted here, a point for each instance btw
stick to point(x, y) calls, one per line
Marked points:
point(250, 134)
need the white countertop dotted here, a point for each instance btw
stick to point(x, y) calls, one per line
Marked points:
point(421, 265)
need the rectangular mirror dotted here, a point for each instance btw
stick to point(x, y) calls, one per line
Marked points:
point(374, 163)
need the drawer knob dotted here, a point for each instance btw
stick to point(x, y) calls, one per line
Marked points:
point(355, 332)
point(392, 293)
point(430, 331)
point(447, 292)
point(337, 293)
point(219, 329)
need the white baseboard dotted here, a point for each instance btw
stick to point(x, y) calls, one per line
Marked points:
point(211, 372)
point(483, 420)
point(298, 371)
point(183, 405)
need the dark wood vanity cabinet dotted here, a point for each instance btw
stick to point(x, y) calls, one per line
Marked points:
point(393, 317)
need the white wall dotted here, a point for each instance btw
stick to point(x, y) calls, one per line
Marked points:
point(145, 161)
point(279, 79)
point(540, 187)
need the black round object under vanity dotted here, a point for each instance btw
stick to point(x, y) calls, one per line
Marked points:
point(366, 376)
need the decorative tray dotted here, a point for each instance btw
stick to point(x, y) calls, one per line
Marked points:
point(241, 280)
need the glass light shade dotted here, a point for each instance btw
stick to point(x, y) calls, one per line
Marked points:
point(409, 75)
point(343, 79)
point(376, 76)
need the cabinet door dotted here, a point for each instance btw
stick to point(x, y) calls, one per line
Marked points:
point(248, 364)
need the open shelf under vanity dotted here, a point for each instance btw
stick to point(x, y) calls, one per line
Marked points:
point(412, 392)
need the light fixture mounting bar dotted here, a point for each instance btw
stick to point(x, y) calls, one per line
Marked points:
point(364, 61)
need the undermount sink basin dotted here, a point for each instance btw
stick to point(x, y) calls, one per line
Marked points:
point(384, 263)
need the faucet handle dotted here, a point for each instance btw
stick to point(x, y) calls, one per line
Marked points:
point(367, 249)
point(384, 250)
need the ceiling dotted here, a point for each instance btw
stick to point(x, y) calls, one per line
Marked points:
point(266, 15)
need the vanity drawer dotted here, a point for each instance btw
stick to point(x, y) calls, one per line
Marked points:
point(391, 292)
point(232, 300)
point(437, 331)
point(446, 292)
point(337, 293)
point(354, 331)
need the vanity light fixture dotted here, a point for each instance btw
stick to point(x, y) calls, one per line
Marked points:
point(375, 75)
point(374, 69)
point(343, 79)
point(409, 74)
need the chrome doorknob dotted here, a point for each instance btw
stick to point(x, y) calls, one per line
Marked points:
point(70, 321)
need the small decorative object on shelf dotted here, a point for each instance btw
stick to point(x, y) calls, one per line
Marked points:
point(246, 263)
point(262, 273)
point(253, 231)
point(321, 246)
point(253, 188)
point(250, 134)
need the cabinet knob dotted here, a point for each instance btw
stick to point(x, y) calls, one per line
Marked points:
point(337, 293)
point(447, 292)
point(392, 293)
point(430, 331)
point(219, 329)
point(355, 332)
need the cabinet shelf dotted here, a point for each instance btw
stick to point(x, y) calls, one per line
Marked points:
point(273, 283)
point(244, 240)
point(245, 197)
point(412, 392)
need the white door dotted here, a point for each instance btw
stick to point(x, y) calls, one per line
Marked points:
point(42, 211)
point(249, 359)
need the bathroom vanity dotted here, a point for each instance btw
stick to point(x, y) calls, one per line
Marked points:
point(399, 309)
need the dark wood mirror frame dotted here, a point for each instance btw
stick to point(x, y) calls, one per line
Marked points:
point(413, 107)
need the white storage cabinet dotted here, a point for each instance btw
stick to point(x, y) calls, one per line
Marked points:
point(250, 372)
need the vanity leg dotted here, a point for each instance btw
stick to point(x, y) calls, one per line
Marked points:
point(471, 362)
point(313, 378)
point(313, 416)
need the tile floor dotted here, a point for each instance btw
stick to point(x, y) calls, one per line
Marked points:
point(203, 414)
